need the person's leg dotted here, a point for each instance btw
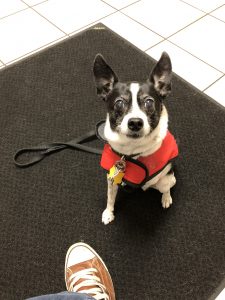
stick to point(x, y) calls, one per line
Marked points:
point(63, 296)
point(86, 276)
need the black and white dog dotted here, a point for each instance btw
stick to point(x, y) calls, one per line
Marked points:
point(136, 123)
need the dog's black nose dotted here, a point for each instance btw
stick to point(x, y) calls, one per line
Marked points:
point(135, 124)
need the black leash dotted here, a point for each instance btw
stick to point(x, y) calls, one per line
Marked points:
point(44, 150)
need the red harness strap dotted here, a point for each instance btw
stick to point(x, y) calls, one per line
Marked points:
point(154, 162)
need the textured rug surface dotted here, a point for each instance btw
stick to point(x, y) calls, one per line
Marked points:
point(151, 253)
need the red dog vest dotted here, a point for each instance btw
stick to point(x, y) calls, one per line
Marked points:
point(144, 168)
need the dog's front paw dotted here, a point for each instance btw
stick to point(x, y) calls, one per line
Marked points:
point(107, 216)
point(166, 200)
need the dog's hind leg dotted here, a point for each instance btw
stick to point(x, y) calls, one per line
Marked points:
point(164, 185)
point(108, 215)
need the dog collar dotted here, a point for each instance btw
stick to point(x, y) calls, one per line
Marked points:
point(124, 155)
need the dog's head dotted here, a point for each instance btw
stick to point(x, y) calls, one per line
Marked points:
point(134, 109)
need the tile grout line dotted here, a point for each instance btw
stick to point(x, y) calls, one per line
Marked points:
point(142, 25)
point(27, 7)
point(217, 18)
point(73, 32)
point(188, 53)
point(16, 12)
point(213, 82)
point(154, 45)
point(36, 3)
point(203, 90)
point(211, 11)
point(166, 38)
point(118, 9)
point(129, 5)
point(1, 62)
point(89, 24)
point(201, 9)
point(35, 50)
point(92, 23)
point(31, 7)
point(67, 36)
point(207, 13)
point(174, 32)
point(193, 6)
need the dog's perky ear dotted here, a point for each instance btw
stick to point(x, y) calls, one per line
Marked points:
point(105, 78)
point(161, 75)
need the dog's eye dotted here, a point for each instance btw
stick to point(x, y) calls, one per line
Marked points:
point(119, 105)
point(148, 102)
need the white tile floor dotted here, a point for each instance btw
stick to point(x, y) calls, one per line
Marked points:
point(191, 31)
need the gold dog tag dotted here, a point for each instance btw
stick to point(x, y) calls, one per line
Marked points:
point(117, 172)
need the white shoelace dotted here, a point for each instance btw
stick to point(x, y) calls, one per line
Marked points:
point(88, 279)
